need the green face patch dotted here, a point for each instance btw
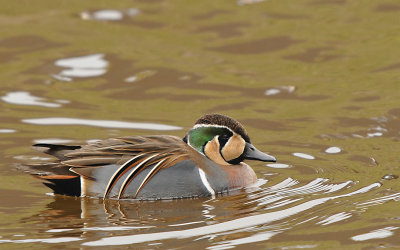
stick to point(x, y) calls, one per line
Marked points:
point(199, 136)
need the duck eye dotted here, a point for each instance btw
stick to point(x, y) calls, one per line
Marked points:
point(223, 139)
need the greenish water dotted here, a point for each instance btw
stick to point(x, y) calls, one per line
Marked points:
point(301, 76)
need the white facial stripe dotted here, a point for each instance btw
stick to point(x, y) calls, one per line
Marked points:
point(211, 125)
point(203, 178)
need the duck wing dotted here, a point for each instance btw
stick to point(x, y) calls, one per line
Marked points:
point(130, 154)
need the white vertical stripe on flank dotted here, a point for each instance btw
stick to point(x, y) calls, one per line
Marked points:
point(83, 189)
point(206, 183)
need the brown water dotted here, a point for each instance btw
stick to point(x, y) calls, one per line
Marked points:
point(315, 82)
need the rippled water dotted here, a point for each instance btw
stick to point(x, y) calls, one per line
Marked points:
point(314, 82)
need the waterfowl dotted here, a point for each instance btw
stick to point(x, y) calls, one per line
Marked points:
point(206, 162)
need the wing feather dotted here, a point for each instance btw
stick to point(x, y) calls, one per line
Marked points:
point(133, 153)
point(138, 168)
point(120, 172)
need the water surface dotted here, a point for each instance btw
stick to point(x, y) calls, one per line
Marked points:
point(314, 82)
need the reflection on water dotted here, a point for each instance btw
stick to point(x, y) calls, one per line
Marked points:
point(276, 210)
point(25, 98)
point(99, 123)
point(335, 218)
point(139, 76)
point(390, 177)
point(278, 165)
point(105, 15)
point(333, 150)
point(276, 194)
point(52, 141)
point(304, 156)
point(277, 90)
point(379, 200)
point(320, 95)
point(109, 15)
point(7, 131)
point(83, 66)
point(50, 240)
point(376, 234)
point(244, 2)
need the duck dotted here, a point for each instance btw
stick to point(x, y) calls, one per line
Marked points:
point(207, 161)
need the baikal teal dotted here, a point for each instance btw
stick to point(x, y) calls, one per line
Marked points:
point(206, 162)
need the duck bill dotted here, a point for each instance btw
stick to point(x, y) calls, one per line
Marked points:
point(251, 153)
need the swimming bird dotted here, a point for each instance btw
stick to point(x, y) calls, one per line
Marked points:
point(206, 162)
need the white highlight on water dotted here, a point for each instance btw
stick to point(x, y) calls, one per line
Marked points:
point(99, 123)
point(380, 200)
point(25, 98)
point(131, 79)
point(94, 61)
point(277, 90)
point(59, 230)
point(83, 66)
point(333, 150)
point(246, 240)
point(370, 135)
point(376, 234)
point(109, 15)
point(335, 218)
point(336, 187)
point(50, 240)
point(121, 228)
point(7, 131)
point(272, 91)
point(78, 72)
point(278, 165)
point(304, 156)
point(52, 141)
point(185, 224)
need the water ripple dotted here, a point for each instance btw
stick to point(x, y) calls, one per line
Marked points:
point(251, 239)
point(224, 227)
point(380, 200)
point(335, 218)
point(283, 190)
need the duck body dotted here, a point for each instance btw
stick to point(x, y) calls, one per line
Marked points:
point(207, 162)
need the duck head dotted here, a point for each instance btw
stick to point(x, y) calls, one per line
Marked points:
point(223, 140)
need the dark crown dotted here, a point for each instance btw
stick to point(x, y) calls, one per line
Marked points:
point(223, 120)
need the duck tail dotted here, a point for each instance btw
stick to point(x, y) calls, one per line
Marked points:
point(56, 176)
point(64, 186)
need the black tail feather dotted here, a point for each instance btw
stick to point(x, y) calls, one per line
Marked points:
point(71, 187)
point(58, 151)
